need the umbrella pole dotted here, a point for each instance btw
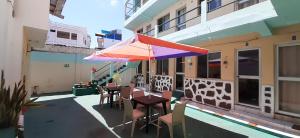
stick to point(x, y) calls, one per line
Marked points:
point(149, 87)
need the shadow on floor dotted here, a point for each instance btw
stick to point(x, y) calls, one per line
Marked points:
point(195, 128)
point(65, 118)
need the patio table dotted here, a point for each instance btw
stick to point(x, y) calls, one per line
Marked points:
point(148, 101)
point(112, 91)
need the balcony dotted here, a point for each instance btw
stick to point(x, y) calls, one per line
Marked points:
point(140, 11)
point(218, 19)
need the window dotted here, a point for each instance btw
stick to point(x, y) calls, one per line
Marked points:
point(140, 68)
point(61, 34)
point(162, 67)
point(213, 5)
point(180, 20)
point(241, 4)
point(209, 66)
point(288, 81)
point(140, 31)
point(51, 30)
point(149, 30)
point(163, 23)
point(74, 36)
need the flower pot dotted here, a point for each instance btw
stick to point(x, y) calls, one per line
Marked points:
point(8, 132)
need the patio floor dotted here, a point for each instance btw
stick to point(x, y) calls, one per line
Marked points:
point(64, 116)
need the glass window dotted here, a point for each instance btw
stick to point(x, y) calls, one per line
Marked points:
point(162, 67)
point(180, 65)
point(209, 66)
point(51, 30)
point(248, 62)
point(147, 74)
point(163, 23)
point(241, 4)
point(289, 79)
point(61, 34)
point(214, 65)
point(213, 5)
point(249, 91)
point(74, 36)
point(180, 20)
point(202, 66)
point(149, 30)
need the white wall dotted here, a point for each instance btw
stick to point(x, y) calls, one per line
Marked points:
point(81, 32)
point(29, 13)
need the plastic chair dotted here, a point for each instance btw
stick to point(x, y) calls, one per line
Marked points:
point(103, 95)
point(167, 95)
point(124, 93)
point(174, 119)
point(132, 114)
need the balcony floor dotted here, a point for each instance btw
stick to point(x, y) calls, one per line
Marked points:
point(63, 116)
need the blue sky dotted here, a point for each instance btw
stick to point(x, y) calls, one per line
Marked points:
point(95, 15)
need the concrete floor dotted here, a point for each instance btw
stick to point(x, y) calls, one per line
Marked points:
point(66, 116)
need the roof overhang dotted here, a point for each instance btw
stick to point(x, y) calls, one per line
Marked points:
point(56, 7)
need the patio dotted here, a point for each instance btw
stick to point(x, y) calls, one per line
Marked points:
point(77, 117)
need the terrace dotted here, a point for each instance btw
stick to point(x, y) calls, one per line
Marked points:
point(65, 115)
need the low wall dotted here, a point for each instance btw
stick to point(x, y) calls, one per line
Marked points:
point(162, 82)
point(217, 93)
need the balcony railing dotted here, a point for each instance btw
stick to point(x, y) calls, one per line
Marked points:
point(131, 6)
point(193, 16)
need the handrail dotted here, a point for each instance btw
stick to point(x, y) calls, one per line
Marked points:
point(196, 16)
point(102, 67)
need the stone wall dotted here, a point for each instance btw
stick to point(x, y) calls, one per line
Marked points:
point(209, 91)
point(162, 82)
point(268, 100)
point(140, 80)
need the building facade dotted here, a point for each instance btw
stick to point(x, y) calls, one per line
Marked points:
point(68, 35)
point(254, 52)
point(23, 25)
point(106, 39)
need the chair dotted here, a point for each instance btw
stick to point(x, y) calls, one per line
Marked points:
point(167, 95)
point(133, 114)
point(131, 85)
point(174, 119)
point(111, 84)
point(103, 95)
point(138, 94)
point(124, 93)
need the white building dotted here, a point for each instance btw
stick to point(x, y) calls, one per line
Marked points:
point(108, 38)
point(67, 35)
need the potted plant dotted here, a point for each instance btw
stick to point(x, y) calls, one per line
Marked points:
point(11, 104)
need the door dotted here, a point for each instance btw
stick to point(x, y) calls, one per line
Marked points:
point(179, 74)
point(288, 79)
point(248, 77)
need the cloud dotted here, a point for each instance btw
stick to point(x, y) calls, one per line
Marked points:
point(113, 2)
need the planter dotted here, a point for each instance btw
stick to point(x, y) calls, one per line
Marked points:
point(8, 132)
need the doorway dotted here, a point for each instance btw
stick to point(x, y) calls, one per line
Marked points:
point(179, 74)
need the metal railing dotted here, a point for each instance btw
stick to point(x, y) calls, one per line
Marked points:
point(193, 17)
point(106, 69)
point(131, 6)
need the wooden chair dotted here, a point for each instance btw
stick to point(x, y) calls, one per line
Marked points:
point(174, 119)
point(124, 93)
point(103, 96)
point(167, 95)
point(132, 114)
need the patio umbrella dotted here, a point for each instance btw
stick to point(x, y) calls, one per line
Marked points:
point(95, 57)
point(142, 47)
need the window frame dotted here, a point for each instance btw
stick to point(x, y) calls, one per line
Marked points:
point(163, 64)
point(181, 26)
point(207, 66)
point(66, 33)
point(165, 24)
point(278, 78)
point(74, 35)
point(215, 8)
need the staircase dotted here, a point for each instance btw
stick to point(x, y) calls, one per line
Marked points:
point(105, 73)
